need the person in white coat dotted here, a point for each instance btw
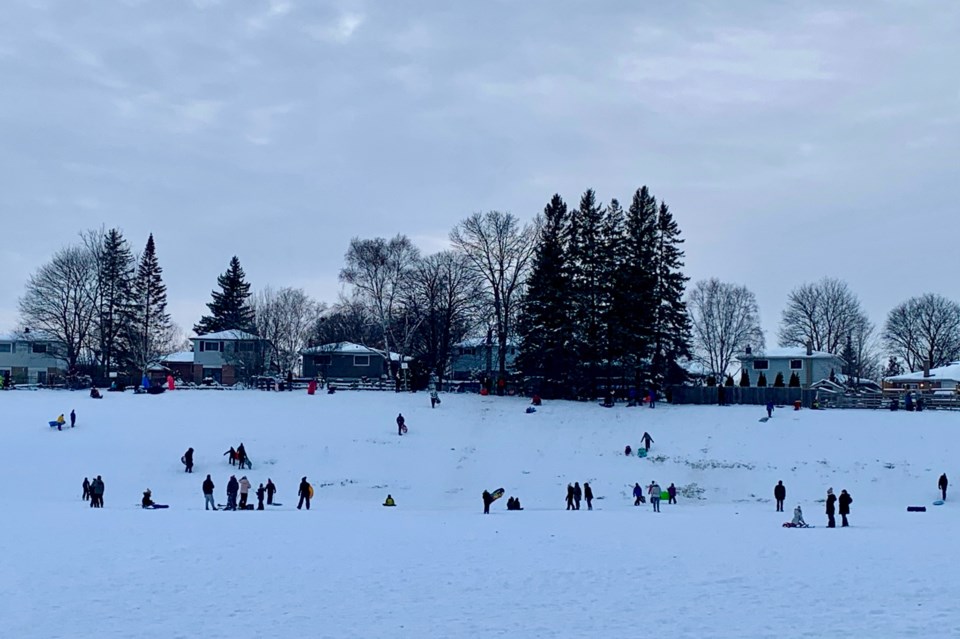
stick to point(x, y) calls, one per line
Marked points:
point(798, 521)
point(244, 489)
point(654, 491)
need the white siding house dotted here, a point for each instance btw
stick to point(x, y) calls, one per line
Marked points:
point(31, 357)
point(810, 365)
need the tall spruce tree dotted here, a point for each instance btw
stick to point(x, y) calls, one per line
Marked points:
point(115, 271)
point(588, 264)
point(633, 304)
point(545, 323)
point(149, 329)
point(230, 308)
point(614, 245)
point(671, 331)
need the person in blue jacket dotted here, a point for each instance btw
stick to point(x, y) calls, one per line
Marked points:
point(769, 410)
point(638, 495)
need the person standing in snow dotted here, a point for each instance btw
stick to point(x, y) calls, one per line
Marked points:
point(400, 423)
point(647, 440)
point(73, 418)
point(208, 494)
point(98, 489)
point(271, 489)
point(770, 414)
point(652, 396)
point(588, 495)
point(569, 497)
point(86, 489)
point(831, 508)
point(672, 492)
point(845, 501)
point(188, 460)
point(232, 487)
point(577, 495)
point(244, 491)
point(637, 494)
point(434, 399)
point(780, 494)
point(487, 500)
point(654, 492)
point(242, 456)
point(232, 456)
point(260, 494)
point(304, 493)
point(942, 485)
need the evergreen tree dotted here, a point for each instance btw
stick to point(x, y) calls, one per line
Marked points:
point(633, 302)
point(833, 376)
point(849, 355)
point(149, 331)
point(672, 330)
point(893, 368)
point(794, 380)
point(778, 381)
point(545, 323)
point(614, 247)
point(744, 378)
point(729, 381)
point(762, 381)
point(115, 271)
point(230, 308)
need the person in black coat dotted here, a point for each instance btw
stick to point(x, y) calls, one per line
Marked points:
point(942, 485)
point(487, 500)
point(73, 418)
point(271, 489)
point(242, 456)
point(577, 495)
point(86, 488)
point(780, 494)
point(233, 487)
point(588, 495)
point(400, 423)
point(260, 494)
point(304, 493)
point(569, 497)
point(208, 494)
point(188, 460)
point(831, 508)
point(845, 501)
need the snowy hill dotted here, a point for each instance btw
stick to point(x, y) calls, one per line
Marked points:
point(716, 564)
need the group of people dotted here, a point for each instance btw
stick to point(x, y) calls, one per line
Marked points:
point(93, 491)
point(908, 402)
point(834, 503)
point(513, 503)
point(646, 440)
point(239, 488)
point(575, 494)
point(61, 420)
point(238, 456)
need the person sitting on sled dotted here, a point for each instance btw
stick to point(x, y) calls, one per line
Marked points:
point(798, 521)
point(389, 501)
point(146, 502)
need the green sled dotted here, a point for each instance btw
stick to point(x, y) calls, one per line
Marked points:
point(664, 495)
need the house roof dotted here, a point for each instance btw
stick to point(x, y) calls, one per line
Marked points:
point(227, 335)
point(950, 373)
point(472, 342)
point(342, 347)
point(790, 352)
point(182, 357)
point(32, 336)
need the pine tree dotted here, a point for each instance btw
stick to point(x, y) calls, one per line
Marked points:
point(729, 381)
point(545, 323)
point(778, 381)
point(633, 302)
point(893, 368)
point(833, 376)
point(849, 355)
point(115, 271)
point(671, 334)
point(762, 381)
point(230, 309)
point(794, 380)
point(149, 331)
point(614, 248)
point(744, 378)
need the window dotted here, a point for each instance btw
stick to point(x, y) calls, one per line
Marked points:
point(39, 348)
point(209, 346)
point(5, 348)
point(796, 364)
point(245, 347)
point(323, 360)
point(361, 360)
point(761, 364)
point(469, 350)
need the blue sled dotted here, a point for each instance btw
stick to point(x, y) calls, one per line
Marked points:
point(53, 424)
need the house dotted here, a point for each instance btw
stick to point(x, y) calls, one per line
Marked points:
point(179, 364)
point(31, 357)
point(469, 358)
point(225, 357)
point(810, 365)
point(944, 378)
point(345, 360)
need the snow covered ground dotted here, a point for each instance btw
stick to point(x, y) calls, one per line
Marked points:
point(719, 565)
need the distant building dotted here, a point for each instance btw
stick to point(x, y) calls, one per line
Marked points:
point(225, 357)
point(346, 360)
point(811, 366)
point(943, 378)
point(469, 359)
point(28, 357)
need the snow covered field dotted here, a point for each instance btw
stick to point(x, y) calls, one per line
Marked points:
point(717, 566)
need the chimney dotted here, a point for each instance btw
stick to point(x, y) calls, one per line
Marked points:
point(748, 350)
point(809, 348)
point(926, 369)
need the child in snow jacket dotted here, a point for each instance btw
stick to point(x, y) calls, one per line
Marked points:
point(647, 440)
point(831, 508)
point(60, 422)
point(638, 494)
point(260, 494)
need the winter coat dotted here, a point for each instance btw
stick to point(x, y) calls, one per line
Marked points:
point(232, 486)
point(672, 491)
point(637, 491)
point(244, 486)
point(86, 486)
point(845, 501)
point(942, 484)
point(271, 488)
point(97, 487)
point(780, 492)
point(188, 457)
point(655, 491)
point(260, 492)
point(242, 453)
point(304, 489)
point(831, 500)
point(577, 493)
point(587, 492)
point(208, 486)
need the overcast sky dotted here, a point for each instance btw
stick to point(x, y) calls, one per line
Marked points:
point(792, 140)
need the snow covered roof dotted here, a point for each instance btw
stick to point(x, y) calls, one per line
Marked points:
point(473, 342)
point(341, 347)
point(182, 357)
point(32, 336)
point(950, 372)
point(790, 352)
point(231, 334)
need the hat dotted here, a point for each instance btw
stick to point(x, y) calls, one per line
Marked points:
point(829, 491)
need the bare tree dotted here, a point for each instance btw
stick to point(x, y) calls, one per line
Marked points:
point(445, 292)
point(499, 250)
point(61, 300)
point(285, 318)
point(822, 314)
point(924, 331)
point(348, 320)
point(379, 270)
point(725, 319)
